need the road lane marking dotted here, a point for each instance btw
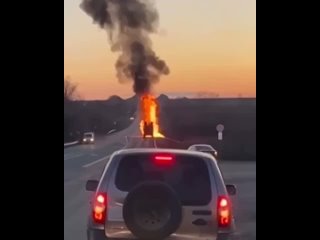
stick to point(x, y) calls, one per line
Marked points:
point(72, 156)
point(104, 158)
point(97, 161)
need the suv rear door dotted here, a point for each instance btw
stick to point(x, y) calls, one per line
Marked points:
point(189, 176)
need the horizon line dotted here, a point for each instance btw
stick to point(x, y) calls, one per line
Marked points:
point(175, 97)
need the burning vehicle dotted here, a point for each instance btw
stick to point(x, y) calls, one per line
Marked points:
point(149, 110)
point(147, 129)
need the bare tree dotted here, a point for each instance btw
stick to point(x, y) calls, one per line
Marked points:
point(70, 90)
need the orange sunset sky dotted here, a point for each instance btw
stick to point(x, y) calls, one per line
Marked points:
point(209, 46)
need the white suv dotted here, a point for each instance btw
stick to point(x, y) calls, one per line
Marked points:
point(160, 194)
point(88, 137)
point(204, 148)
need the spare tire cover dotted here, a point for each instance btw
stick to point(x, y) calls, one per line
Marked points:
point(152, 210)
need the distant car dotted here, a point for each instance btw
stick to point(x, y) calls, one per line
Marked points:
point(204, 148)
point(160, 194)
point(88, 138)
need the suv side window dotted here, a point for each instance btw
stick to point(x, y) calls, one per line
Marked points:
point(189, 177)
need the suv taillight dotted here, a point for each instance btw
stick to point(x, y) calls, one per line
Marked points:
point(224, 211)
point(99, 208)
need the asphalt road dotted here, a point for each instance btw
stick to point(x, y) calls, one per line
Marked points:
point(243, 175)
point(83, 162)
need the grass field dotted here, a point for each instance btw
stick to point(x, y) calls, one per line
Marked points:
point(194, 121)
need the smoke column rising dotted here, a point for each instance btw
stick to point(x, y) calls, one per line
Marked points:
point(129, 24)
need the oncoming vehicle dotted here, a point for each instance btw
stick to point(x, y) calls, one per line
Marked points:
point(160, 194)
point(204, 148)
point(88, 137)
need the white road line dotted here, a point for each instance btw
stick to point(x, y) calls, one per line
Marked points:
point(72, 156)
point(97, 161)
point(71, 143)
point(104, 158)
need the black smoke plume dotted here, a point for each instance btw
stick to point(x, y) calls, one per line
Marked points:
point(129, 24)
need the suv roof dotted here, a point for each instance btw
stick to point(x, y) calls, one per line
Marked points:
point(88, 134)
point(160, 150)
point(202, 145)
point(91, 133)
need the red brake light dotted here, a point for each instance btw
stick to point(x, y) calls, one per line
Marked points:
point(99, 210)
point(164, 159)
point(224, 211)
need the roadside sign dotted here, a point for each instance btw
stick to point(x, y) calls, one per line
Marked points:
point(220, 129)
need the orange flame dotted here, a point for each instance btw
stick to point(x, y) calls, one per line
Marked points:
point(149, 115)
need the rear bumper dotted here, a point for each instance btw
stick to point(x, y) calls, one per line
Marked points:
point(225, 236)
point(98, 234)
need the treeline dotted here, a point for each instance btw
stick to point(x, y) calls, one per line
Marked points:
point(96, 116)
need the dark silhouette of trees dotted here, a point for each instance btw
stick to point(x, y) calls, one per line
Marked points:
point(94, 116)
point(70, 90)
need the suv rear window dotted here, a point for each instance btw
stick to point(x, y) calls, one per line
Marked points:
point(189, 176)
